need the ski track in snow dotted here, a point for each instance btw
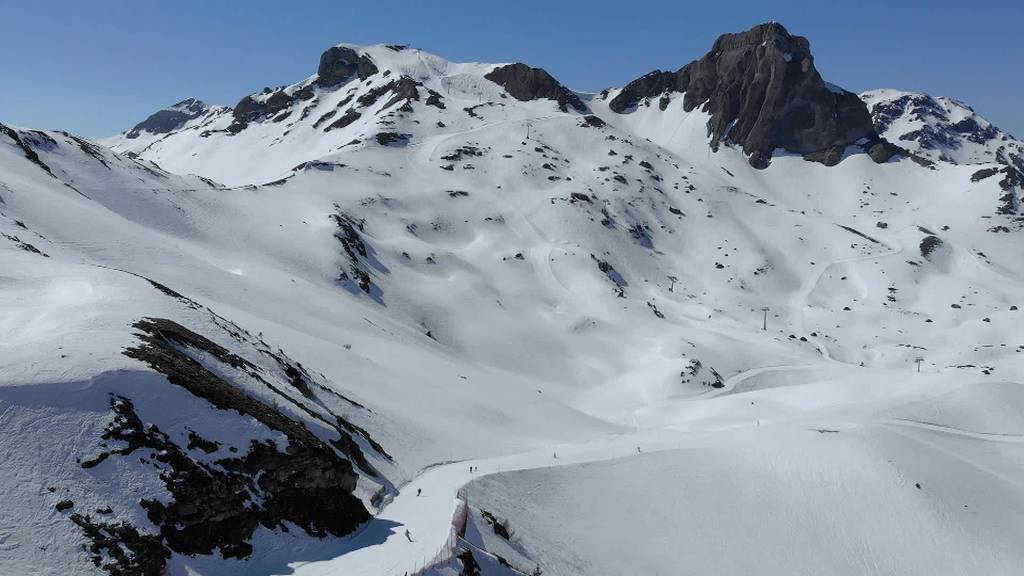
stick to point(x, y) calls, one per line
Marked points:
point(810, 283)
point(428, 517)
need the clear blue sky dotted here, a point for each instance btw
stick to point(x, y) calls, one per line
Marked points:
point(97, 67)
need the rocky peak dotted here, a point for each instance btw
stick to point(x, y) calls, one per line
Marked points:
point(941, 128)
point(525, 83)
point(763, 92)
point(170, 118)
point(339, 63)
point(191, 105)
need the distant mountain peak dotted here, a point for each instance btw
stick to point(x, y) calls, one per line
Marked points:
point(193, 105)
point(170, 118)
point(763, 92)
point(941, 128)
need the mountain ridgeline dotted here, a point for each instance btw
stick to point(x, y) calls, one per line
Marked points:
point(760, 89)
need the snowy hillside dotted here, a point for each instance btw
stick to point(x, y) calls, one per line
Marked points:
point(276, 338)
point(941, 128)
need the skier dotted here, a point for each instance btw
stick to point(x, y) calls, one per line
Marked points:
point(407, 535)
point(419, 491)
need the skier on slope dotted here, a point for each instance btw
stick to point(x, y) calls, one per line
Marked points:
point(407, 535)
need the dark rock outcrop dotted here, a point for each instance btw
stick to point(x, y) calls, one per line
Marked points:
point(984, 173)
point(881, 150)
point(255, 107)
point(339, 63)
point(763, 92)
point(392, 138)
point(218, 504)
point(120, 549)
point(524, 83)
point(650, 85)
point(26, 148)
point(359, 253)
point(349, 117)
point(1012, 185)
point(929, 244)
point(170, 119)
point(403, 89)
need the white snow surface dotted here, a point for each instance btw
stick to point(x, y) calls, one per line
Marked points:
point(550, 309)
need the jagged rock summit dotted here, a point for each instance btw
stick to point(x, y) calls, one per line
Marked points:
point(170, 118)
point(339, 63)
point(763, 93)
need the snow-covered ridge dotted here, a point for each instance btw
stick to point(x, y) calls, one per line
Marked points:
point(941, 128)
point(276, 130)
point(398, 95)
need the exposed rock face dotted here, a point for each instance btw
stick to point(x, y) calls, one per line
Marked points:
point(349, 117)
point(649, 85)
point(525, 83)
point(763, 92)
point(881, 151)
point(216, 504)
point(339, 63)
point(120, 549)
point(404, 89)
point(25, 144)
point(170, 119)
point(260, 106)
point(1012, 184)
point(350, 233)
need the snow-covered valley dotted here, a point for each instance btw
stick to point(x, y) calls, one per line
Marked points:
point(319, 331)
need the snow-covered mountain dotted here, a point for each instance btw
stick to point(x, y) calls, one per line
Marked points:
point(275, 338)
point(941, 128)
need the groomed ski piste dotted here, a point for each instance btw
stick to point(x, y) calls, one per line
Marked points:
point(762, 453)
point(568, 303)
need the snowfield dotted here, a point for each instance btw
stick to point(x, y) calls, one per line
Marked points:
point(570, 304)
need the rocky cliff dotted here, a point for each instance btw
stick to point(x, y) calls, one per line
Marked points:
point(763, 93)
